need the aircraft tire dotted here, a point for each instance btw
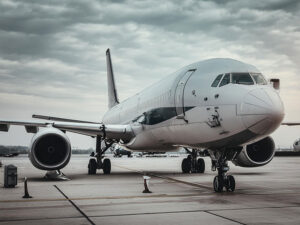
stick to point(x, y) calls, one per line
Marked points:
point(186, 165)
point(92, 167)
point(218, 184)
point(200, 165)
point(230, 183)
point(106, 166)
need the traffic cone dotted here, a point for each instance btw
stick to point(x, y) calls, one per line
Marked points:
point(146, 183)
point(26, 195)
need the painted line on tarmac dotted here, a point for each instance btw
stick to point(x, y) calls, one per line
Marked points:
point(223, 217)
point(181, 181)
point(39, 219)
point(166, 178)
point(75, 206)
point(101, 198)
point(182, 211)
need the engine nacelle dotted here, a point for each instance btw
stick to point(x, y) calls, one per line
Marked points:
point(50, 149)
point(257, 154)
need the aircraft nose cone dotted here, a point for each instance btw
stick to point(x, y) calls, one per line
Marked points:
point(262, 110)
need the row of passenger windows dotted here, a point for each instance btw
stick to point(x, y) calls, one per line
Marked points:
point(239, 78)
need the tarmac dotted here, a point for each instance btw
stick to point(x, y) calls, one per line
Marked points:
point(264, 195)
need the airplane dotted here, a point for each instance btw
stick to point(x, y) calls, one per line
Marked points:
point(221, 106)
point(9, 154)
point(119, 151)
point(296, 144)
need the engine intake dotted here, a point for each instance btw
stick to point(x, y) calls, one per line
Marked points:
point(257, 154)
point(50, 149)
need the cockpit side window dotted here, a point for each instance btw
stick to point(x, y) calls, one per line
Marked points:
point(226, 80)
point(259, 78)
point(242, 78)
point(217, 80)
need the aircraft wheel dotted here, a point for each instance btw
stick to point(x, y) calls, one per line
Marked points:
point(186, 165)
point(92, 166)
point(218, 184)
point(200, 165)
point(230, 183)
point(106, 166)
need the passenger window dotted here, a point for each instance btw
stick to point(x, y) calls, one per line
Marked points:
point(242, 78)
point(259, 79)
point(217, 80)
point(226, 80)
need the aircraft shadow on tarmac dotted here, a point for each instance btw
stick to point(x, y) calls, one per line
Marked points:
point(251, 173)
point(80, 176)
point(132, 174)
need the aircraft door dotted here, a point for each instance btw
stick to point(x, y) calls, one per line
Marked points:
point(179, 94)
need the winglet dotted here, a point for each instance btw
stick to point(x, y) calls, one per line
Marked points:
point(112, 90)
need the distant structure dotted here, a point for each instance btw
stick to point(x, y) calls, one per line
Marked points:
point(10, 151)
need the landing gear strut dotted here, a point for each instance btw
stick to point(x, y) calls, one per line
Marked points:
point(97, 161)
point(220, 162)
point(222, 180)
point(191, 164)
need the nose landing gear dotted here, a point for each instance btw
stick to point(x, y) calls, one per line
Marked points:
point(220, 162)
point(97, 162)
point(191, 164)
point(222, 180)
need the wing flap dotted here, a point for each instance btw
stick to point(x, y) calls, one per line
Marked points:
point(30, 126)
point(4, 127)
point(31, 129)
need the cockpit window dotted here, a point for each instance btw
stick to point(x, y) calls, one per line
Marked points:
point(226, 80)
point(242, 78)
point(259, 79)
point(217, 80)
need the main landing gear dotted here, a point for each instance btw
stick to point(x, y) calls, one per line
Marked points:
point(97, 161)
point(191, 164)
point(220, 163)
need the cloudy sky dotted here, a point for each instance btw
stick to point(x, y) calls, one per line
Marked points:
point(52, 53)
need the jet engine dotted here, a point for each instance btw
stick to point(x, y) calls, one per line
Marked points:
point(50, 149)
point(256, 154)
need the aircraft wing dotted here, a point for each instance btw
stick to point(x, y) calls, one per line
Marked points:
point(116, 132)
point(291, 124)
point(52, 118)
point(30, 126)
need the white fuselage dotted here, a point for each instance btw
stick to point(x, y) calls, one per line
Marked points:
point(184, 109)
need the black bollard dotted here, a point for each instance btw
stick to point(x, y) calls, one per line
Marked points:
point(146, 180)
point(26, 195)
